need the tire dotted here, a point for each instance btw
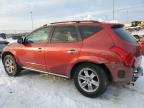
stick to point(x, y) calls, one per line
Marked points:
point(10, 65)
point(90, 80)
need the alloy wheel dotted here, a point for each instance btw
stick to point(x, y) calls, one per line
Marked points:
point(9, 65)
point(88, 80)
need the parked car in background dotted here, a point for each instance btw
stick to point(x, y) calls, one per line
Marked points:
point(3, 41)
point(140, 39)
point(92, 53)
point(13, 37)
point(137, 37)
point(3, 35)
point(141, 43)
point(138, 32)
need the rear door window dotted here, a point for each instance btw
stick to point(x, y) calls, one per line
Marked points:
point(87, 31)
point(125, 35)
point(64, 34)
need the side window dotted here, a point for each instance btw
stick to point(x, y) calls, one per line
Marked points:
point(64, 34)
point(39, 36)
point(87, 31)
point(124, 34)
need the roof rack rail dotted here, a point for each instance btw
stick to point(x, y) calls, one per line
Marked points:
point(93, 21)
point(45, 25)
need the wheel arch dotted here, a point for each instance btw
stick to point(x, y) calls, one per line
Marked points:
point(107, 71)
point(7, 53)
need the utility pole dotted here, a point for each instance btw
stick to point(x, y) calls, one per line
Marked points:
point(31, 14)
point(127, 16)
point(113, 10)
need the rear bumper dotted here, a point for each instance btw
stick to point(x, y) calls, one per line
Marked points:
point(136, 73)
point(124, 74)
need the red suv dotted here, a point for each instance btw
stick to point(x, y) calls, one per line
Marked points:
point(90, 52)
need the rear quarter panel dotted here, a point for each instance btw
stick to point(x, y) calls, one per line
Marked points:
point(97, 48)
point(118, 42)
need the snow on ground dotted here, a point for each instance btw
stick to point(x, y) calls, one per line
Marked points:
point(11, 40)
point(35, 90)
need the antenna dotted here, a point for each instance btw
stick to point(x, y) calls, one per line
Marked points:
point(31, 14)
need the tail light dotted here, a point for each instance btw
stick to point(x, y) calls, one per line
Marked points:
point(138, 52)
point(141, 49)
point(128, 59)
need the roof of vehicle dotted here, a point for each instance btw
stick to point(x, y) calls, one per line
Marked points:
point(113, 25)
point(87, 22)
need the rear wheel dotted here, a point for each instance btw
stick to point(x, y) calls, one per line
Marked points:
point(90, 80)
point(10, 65)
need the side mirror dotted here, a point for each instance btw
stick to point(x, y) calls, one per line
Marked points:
point(20, 40)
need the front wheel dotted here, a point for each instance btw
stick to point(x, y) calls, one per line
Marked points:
point(10, 65)
point(90, 80)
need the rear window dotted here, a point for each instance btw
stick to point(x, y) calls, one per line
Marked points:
point(87, 31)
point(125, 35)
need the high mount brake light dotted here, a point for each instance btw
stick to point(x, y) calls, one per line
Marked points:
point(128, 59)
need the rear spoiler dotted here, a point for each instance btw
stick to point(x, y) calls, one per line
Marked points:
point(117, 26)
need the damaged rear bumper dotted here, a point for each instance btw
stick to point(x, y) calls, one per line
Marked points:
point(122, 74)
point(136, 73)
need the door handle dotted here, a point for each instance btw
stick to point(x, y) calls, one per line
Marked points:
point(71, 51)
point(40, 49)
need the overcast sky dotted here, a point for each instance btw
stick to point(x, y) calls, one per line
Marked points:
point(15, 14)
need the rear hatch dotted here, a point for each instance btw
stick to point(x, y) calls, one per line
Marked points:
point(128, 45)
